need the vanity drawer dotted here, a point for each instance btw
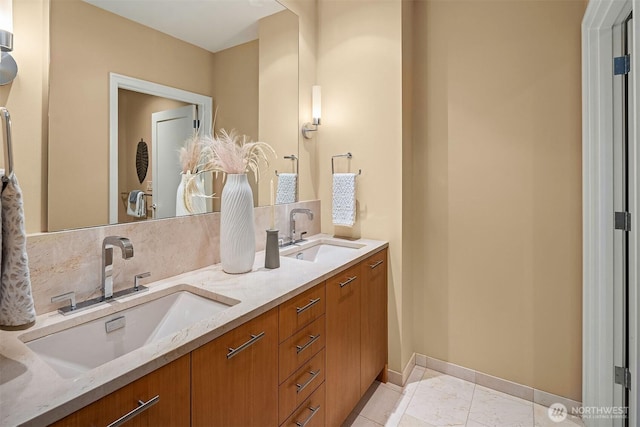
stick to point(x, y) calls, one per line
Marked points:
point(300, 347)
point(301, 310)
point(310, 413)
point(300, 385)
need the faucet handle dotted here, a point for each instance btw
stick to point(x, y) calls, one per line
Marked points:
point(137, 278)
point(71, 296)
point(302, 235)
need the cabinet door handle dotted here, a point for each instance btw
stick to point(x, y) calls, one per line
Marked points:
point(313, 412)
point(142, 406)
point(312, 302)
point(375, 264)
point(312, 339)
point(349, 280)
point(300, 387)
point(234, 351)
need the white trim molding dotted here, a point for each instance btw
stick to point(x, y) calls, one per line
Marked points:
point(598, 227)
point(521, 391)
point(118, 81)
point(634, 235)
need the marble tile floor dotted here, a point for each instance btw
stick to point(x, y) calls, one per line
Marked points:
point(433, 399)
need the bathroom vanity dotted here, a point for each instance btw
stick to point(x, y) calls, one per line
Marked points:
point(298, 345)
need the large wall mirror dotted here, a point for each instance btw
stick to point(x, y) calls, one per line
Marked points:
point(174, 64)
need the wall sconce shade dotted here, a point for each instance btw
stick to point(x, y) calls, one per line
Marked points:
point(8, 66)
point(316, 113)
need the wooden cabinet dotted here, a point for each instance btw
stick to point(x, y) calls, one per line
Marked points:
point(234, 378)
point(311, 413)
point(164, 394)
point(301, 310)
point(356, 334)
point(307, 362)
point(302, 366)
point(301, 384)
point(301, 346)
point(373, 327)
point(343, 345)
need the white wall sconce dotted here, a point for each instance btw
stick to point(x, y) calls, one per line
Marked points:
point(316, 113)
point(8, 66)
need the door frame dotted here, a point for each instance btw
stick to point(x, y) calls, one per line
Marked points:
point(598, 227)
point(119, 81)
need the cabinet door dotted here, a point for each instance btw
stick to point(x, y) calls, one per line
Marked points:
point(235, 377)
point(343, 345)
point(171, 407)
point(373, 330)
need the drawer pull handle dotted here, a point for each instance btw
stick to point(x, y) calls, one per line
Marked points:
point(312, 339)
point(349, 280)
point(375, 264)
point(300, 387)
point(312, 302)
point(234, 351)
point(313, 412)
point(142, 406)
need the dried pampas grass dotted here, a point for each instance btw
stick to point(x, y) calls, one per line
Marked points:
point(233, 153)
point(190, 155)
point(228, 152)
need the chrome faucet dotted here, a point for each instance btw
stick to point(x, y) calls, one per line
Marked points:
point(292, 224)
point(107, 261)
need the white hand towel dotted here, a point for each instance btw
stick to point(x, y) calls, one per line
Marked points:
point(344, 199)
point(136, 204)
point(287, 184)
point(141, 204)
point(17, 310)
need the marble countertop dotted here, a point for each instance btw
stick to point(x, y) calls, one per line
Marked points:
point(32, 393)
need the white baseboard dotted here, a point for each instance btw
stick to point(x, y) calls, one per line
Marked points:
point(400, 379)
point(499, 384)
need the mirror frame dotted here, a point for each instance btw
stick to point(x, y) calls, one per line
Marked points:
point(119, 81)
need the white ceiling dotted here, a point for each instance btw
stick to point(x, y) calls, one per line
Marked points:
point(210, 24)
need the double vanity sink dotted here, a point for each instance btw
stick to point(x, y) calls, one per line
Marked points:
point(107, 338)
point(91, 353)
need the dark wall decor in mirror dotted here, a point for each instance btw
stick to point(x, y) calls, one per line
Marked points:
point(142, 160)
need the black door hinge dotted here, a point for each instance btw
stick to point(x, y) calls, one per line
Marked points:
point(623, 377)
point(622, 221)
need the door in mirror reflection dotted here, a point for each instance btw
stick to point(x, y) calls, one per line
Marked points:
point(170, 129)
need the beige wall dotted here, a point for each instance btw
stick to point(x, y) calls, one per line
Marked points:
point(87, 44)
point(26, 99)
point(235, 85)
point(497, 188)
point(278, 94)
point(235, 104)
point(134, 122)
point(360, 70)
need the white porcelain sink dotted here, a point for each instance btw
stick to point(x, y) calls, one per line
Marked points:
point(81, 348)
point(321, 250)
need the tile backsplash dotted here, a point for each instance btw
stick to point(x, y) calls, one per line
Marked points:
point(71, 260)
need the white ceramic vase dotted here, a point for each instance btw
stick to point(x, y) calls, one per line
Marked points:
point(198, 204)
point(237, 235)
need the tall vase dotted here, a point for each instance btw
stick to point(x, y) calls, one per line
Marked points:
point(237, 235)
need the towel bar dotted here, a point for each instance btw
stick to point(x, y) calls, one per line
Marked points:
point(292, 157)
point(348, 156)
point(9, 149)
